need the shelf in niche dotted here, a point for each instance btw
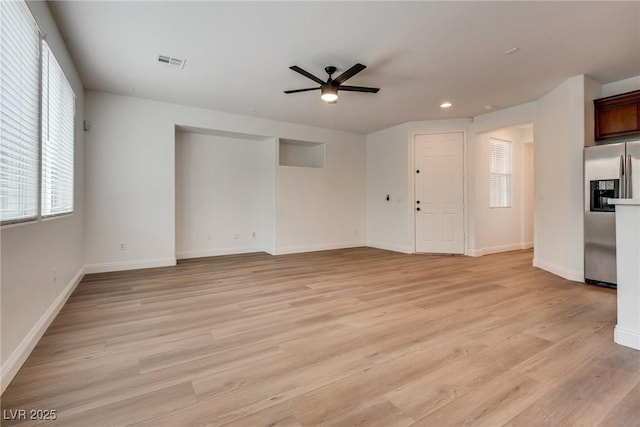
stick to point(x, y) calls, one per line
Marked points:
point(305, 154)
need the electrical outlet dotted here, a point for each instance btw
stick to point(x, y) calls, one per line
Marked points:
point(55, 275)
point(253, 235)
point(122, 246)
point(236, 236)
point(209, 237)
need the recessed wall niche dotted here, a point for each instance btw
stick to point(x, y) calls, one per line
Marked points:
point(224, 191)
point(301, 153)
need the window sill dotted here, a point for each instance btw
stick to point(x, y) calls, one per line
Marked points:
point(35, 220)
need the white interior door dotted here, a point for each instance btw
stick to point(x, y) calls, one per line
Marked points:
point(439, 193)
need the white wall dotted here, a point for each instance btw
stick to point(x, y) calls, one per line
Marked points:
point(323, 208)
point(30, 252)
point(551, 157)
point(560, 135)
point(130, 184)
point(220, 188)
point(592, 90)
point(269, 156)
point(621, 86)
point(129, 187)
point(529, 192)
point(388, 222)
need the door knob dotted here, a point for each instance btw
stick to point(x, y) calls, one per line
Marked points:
point(417, 209)
point(418, 201)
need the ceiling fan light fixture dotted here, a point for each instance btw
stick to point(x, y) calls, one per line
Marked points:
point(329, 94)
point(329, 97)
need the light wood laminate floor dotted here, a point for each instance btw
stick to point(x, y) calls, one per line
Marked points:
point(337, 338)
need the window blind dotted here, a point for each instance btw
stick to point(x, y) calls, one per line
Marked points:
point(58, 111)
point(19, 112)
point(499, 173)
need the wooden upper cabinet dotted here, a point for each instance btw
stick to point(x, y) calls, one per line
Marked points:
point(617, 115)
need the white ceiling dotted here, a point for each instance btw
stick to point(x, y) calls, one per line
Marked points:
point(419, 53)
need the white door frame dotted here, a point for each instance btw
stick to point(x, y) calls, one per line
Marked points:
point(411, 197)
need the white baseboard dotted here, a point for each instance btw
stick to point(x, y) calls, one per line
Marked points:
point(315, 248)
point(128, 265)
point(500, 248)
point(393, 248)
point(21, 353)
point(626, 337)
point(474, 252)
point(576, 276)
point(217, 252)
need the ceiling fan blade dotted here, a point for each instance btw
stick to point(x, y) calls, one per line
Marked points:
point(349, 73)
point(307, 74)
point(301, 90)
point(359, 89)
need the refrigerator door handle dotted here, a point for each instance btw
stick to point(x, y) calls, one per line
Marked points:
point(629, 180)
point(623, 179)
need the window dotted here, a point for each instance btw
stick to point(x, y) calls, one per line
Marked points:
point(499, 173)
point(58, 105)
point(19, 113)
point(37, 122)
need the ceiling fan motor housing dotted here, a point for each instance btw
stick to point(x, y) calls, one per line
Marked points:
point(330, 70)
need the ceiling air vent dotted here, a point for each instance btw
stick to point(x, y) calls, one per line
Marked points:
point(169, 61)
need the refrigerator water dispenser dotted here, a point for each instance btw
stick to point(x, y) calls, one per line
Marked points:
point(601, 191)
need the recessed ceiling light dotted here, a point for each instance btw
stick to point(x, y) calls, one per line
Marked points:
point(445, 105)
point(488, 107)
point(512, 51)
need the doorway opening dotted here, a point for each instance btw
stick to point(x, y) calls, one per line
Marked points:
point(501, 196)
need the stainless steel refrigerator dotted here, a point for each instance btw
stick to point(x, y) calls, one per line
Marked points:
point(610, 171)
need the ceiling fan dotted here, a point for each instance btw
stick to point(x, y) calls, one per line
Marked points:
point(329, 89)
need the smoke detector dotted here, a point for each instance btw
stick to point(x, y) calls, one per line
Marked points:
point(170, 61)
